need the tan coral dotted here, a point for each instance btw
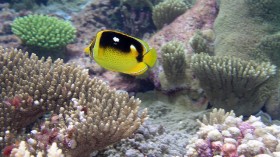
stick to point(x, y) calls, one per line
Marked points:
point(86, 114)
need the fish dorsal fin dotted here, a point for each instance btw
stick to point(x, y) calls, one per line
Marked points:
point(89, 50)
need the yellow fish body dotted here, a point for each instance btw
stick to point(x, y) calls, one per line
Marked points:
point(120, 52)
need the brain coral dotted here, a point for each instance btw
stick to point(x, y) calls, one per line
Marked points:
point(80, 114)
point(43, 31)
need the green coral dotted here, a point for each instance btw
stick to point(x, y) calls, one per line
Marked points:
point(44, 31)
point(270, 44)
point(234, 84)
point(267, 9)
point(175, 67)
point(249, 30)
point(166, 11)
point(202, 41)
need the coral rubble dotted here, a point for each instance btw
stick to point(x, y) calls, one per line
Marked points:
point(81, 114)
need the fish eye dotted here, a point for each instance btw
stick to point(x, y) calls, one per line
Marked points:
point(116, 39)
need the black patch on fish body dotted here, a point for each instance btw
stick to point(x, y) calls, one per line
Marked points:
point(121, 43)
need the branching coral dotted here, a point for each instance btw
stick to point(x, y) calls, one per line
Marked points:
point(232, 83)
point(216, 117)
point(174, 62)
point(44, 31)
point(86, 115)
point(166, 11)
point(248, 30)
point(233, 137)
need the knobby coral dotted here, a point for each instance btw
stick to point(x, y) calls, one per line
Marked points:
point(232, 137)
point(166, 11)
point(232, 83)
point(44, 31)
point(176, 71)
point(84, 114)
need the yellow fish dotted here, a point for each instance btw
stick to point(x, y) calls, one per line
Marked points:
point(120, 52)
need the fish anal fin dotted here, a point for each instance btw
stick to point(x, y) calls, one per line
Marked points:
point(138, 70)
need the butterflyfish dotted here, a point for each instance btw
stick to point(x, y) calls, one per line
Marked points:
point(120, 52)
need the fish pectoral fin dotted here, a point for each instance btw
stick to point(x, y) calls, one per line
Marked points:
point(133, 51)
point(138, 70)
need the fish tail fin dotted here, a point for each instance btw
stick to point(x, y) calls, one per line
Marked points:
point(87, 50)
point(150, 57)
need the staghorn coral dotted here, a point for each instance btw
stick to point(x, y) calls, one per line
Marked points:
point(234, 137)
point(44, 31)
point(86, 115)
point(166, 11)
point(232, 83)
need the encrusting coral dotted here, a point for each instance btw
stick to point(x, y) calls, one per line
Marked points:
point(81, 114)
point(43, 31)
point(165, 12)
point(232, 83)
point(232, 137)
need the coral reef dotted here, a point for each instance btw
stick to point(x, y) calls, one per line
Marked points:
point(26, 4)
point(122, 15)
point(232, 83)
point(165, 133)
point(176, 71)
point(200, 16)
point(81, 114)
point(7, 15)
point(266, 9)
point(245, 34)
point(203, 41)
point(166, 11)
point(231, 136)
point(43, 31)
